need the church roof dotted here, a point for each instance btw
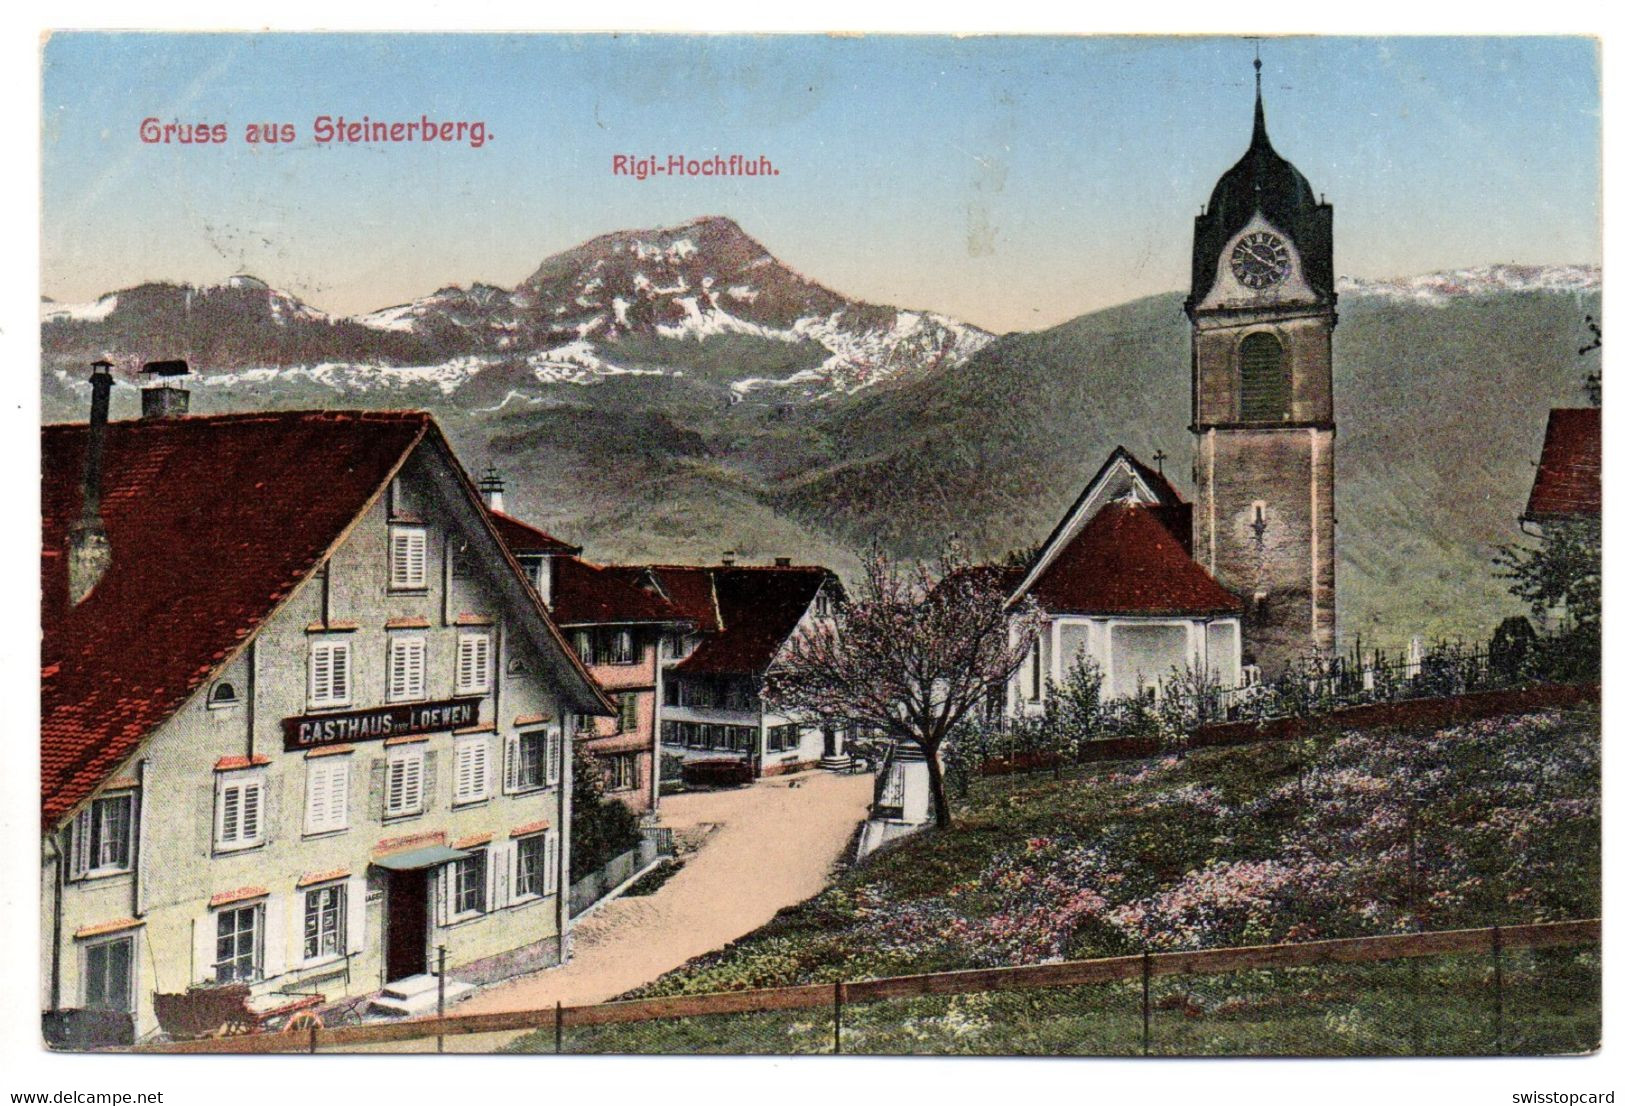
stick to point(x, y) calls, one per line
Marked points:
point(1568, 483)
point(1125, 562)
point(1122, 474)
point(1263, 182)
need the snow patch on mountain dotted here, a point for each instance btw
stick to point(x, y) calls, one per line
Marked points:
point(1437, 289)
point(79, 312)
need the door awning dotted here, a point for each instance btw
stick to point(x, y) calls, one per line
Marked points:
point(430, 856)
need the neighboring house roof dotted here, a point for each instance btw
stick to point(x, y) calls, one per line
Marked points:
point(522, 537)
point(1125, 562)
point(1122, 474)
point(1568, 483)
point(212, 521)
point(585, 594)
point(760, 608)
point(691, 591)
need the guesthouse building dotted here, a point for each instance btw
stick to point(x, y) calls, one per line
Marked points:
point(301, 717)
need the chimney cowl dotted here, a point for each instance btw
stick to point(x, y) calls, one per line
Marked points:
point(729, 557)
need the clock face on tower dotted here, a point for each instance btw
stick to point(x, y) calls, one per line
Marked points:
point(1260, 260)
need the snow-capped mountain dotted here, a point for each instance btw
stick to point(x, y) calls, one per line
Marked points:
point(1441, 287)
point(651, 302)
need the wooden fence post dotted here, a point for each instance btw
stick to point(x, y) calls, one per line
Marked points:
point(1495, 951)
point(440, 1004)
point(1145, 1003)
point(840, 998)
point(313, 1037)
point(558, 1026)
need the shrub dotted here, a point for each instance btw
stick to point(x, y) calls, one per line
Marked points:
point(600, 828)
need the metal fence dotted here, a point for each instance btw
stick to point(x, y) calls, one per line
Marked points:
point(1525, 989)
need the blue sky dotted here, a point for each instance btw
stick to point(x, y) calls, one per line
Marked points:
point(1014, 182)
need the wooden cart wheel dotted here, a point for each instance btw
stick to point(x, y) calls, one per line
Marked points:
point(303, 1022)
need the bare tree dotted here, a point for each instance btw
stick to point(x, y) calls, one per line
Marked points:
point(912, 654)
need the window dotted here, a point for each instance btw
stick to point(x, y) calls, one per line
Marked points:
point(473, 769)
point(238, 944)
point(621, 772)
point(468, 884)
point(584, 724)
point(462, 559)
point(408, 554)
point(324, 921)
point(329, 673)
point(582, 640)
point(107, 974)
point(102, 836)
point(622, 647)
point(408, 664)
point(473, 664)
point(327, 794)
point(223, 694)
point(239, 811)
point(532, 760)
point(1265, 395)
point(780, 738)
point(530, 865)
point(403, 783)
point(824, 604)
point(626, 712)
point(401, 500)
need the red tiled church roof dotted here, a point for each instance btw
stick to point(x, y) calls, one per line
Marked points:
point(588, 594)
point(522, 537)
point(760, 606)
point(212, 522)
point(1569, 481)
point(1126, 562)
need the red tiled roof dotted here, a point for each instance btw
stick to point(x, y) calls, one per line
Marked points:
point(692, 592)
point(1126, 562)
point(522, 537)
point(586, 594)
point(263, 495)
point(1569, 481)
point(760, 606)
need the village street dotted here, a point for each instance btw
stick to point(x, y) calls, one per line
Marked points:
point(772, 845)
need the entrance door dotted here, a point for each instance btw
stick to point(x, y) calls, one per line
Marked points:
point(406, 948)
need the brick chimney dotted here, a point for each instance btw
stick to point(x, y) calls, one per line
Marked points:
point(781, 562)
point(729, 557)
point(89, 553)
point(162, 399)
point(491, 487)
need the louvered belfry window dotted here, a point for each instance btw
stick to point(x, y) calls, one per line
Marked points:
point(1265, 395)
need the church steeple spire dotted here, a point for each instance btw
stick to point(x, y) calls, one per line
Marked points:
point(1260, 136)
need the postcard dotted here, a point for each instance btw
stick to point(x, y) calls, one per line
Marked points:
point(1058, 546)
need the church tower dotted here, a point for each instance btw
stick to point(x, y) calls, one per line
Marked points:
point(1262, 308)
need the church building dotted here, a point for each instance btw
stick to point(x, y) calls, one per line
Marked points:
point(1262, 308)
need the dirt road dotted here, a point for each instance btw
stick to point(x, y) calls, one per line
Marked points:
point(772, 845)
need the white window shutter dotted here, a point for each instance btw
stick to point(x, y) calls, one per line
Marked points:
point(510, 758)
point(338, 794)
point(510, 866)
point(482, 767)
point(442, 894)
point(274, 916)
point(321, 673)
point(253, 795)
point(80, 863)
point(316, 800)
point(341, 672)
point(465, 770)
point(355, 914)
point(493, 857)
point(550, 864)
point(205, 935)
point(552, 754)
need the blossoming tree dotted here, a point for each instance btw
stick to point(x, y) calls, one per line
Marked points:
point(911, 655)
